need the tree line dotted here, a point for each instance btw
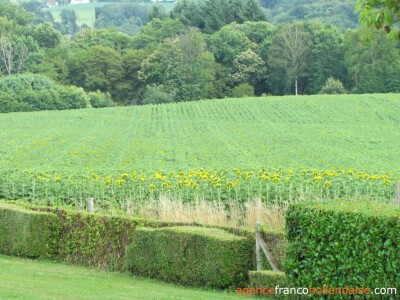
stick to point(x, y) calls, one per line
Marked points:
point(228, 49)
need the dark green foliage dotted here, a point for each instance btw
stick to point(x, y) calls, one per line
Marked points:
point(28, 233)
point(373, 61)
point(191, 255)
point(110, 38)
point(155, 32)
point(97, 68)
point(267, 279)
point(46, 36)
point(15, 12)
point(211, 15)
point(342, 244)
point(29, 92)
point(340, 13)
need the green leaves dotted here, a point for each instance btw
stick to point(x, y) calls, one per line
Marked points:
point(349, 244)
point(381, 14)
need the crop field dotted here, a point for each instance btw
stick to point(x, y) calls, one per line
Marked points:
point(86, 12)
point(273, 148)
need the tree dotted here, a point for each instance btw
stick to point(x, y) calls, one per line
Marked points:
point(211, 15)
point(383, 14)
point(46, 36)
point(68, 21)
point(290, 49)
point(134, 89)
point(15, 12)
point(326, 57)
point(248, 67)
point(15, 50)
point(155, 32)
point(372, 61)
point(227, 43)
point(182, 66)
point(97, 68)
point(157, 12)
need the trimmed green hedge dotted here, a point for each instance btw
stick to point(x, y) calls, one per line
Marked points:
point(267, 279)
point(191, 255)
point(341, 244)
point(94, 240)
point(28, 233)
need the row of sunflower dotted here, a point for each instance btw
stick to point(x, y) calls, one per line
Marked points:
point(274, 184)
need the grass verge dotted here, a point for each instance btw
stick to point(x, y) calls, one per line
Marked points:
point(29, 279)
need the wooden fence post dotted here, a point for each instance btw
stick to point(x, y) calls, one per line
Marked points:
point(90, 205)
point(258, 256)
point(261, 244)
point(396, 194)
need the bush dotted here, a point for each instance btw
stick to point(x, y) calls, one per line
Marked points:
point(267, 279)
point(155, 94)
point(333, 86)
point(28, 233)
point(191, 255)
point(341, 244)
point(242, 90)
point(98, 99)
point(31, 92)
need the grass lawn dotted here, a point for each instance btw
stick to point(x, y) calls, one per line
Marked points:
point(28, 279)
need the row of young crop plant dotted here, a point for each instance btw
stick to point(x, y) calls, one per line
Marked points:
point(121, 189)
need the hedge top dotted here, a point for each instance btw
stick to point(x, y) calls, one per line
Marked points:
point(203, 231)
point(10, 206)
point(372, 209)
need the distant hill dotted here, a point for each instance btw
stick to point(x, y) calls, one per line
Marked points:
point(338, 12)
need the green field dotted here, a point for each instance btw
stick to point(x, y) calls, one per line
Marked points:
point(277, 148)
point(27, 279)
point(351, 131)
point(86, 12)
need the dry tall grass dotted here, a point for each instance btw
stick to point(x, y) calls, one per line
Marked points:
point(202, 211)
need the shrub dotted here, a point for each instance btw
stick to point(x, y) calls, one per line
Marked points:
point(333, 86)
point(267, 279)
point(31, 92)
point(242, 90)
point(98, 99)
point(191, 255)
point(342, 244)
point(155, 94)
point(28, 233)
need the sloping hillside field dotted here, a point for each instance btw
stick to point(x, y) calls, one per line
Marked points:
point(273, 147)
